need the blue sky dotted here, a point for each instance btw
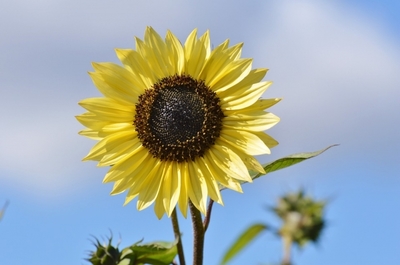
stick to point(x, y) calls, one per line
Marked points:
point(335, 64)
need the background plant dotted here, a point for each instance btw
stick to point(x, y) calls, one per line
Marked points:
point(302, 222)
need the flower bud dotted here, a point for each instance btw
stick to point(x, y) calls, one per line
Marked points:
point(105, 254)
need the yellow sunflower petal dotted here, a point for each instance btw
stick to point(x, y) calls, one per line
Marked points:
point(172, 187)
point(147, 54)
point(92, 134)
point(220, 175)
point(212, 186)
point(224, 69)
point(245, 141)
point(259, 105)
point(148, 195)
point(129, 59)
point(121, 80)
point(233, 74)
point(176, 53)
point(124, 168)
point(258, 122)
point(115, 155)
point(197, 187)
point(213, 56)
point(141, 181)
point(235, 51)
point(105, 89)
point(137, 65)
point(91, 121)
point(237, 90)
point(159, 209)
point(215, 68)
point(134, 172)
point(196, 53)
point(183, 198)
point(248, 97)
point(230, 163)
point(130, 196)
point(158, 52)
point(108, 109)
point(250, 162)
point(205, 40)
point(108, 143)
point(268, 140)
point(115, 127)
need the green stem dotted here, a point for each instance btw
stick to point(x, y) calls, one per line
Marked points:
point(198, 235)
point(208, 216)
point(177, 234)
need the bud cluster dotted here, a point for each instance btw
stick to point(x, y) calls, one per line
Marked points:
point(302, 218)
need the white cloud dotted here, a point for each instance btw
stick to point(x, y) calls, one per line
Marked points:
point(337, 71)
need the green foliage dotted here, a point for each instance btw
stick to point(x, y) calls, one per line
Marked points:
point(156, 253)
point(288, 161)
point(302, 218)
point(243, 240)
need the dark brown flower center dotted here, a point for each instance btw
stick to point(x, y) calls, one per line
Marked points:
point(178, 119)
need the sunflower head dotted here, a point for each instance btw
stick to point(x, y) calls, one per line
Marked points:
point(178, 121)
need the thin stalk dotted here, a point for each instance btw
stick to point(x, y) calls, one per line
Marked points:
point(208, 216)
point(3, 209)
point(177, 234)
point(198, 235)
point(287, 246)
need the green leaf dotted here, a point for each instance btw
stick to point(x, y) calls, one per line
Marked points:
point(244, 239)
point(156, 253)
point(288, 161)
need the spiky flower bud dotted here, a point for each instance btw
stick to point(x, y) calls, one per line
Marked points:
point(105, 254)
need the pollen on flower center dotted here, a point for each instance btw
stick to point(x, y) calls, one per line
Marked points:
point(178, 119)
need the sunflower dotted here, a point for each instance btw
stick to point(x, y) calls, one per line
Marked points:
point(178, 122)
